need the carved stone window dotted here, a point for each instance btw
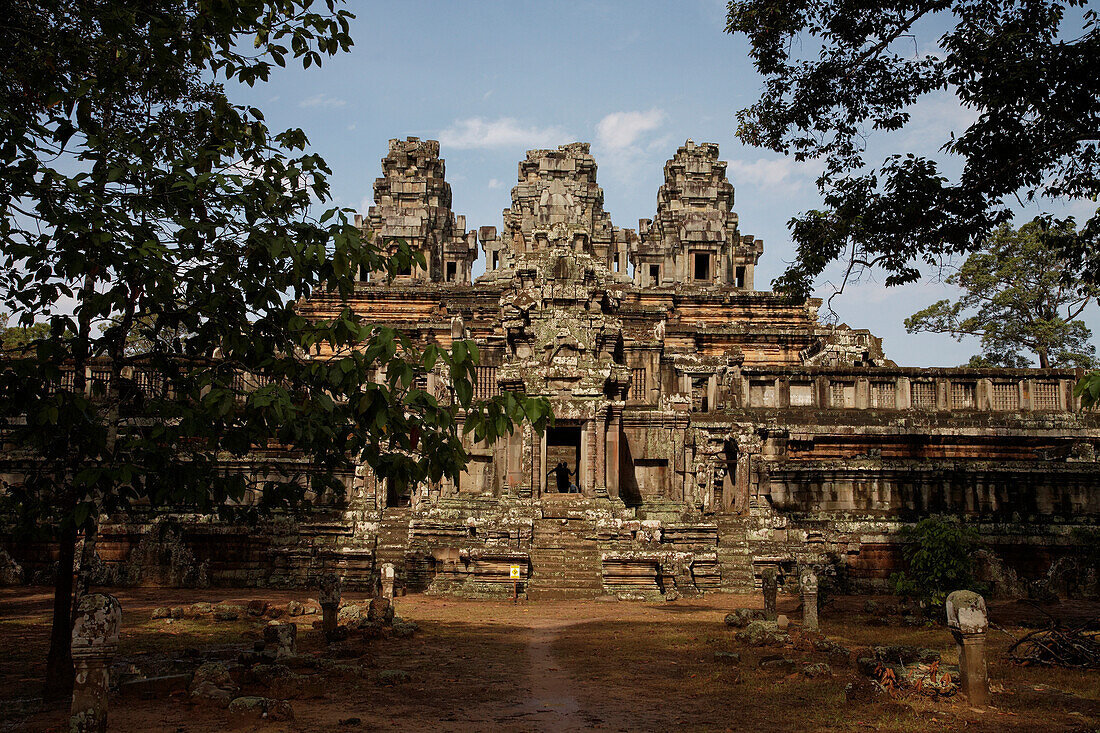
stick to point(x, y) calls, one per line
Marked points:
point(762, 393)
point(486, 386)
point(843, 394)
point(1045, 396)
point(637, 383)
point(883, 395)
point(962, 396)
point(1006, 396)
point(802, 394)
point(922, 395)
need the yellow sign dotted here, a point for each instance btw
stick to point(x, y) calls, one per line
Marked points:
point(514, 574)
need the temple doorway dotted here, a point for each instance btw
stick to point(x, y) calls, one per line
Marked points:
point(563, 459)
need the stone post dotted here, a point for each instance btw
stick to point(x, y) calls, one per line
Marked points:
point(967, 618)
point(95, 641)
point(329, 598)
point(387, 580)
point(808, 581)
point(771, 586)
point(284, 637)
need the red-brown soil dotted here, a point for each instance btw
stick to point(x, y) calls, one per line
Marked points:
point(550, 666)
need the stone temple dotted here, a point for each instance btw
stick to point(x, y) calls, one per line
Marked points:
point(705, 431)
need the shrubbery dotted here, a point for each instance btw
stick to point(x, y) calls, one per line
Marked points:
point(939, 551)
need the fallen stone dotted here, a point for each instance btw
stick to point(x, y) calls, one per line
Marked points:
point(282, 683)
point(672, 594)
point(380, 610)
point(404, 629)
point(149, 688)
point(901, 654)
point(370, 629)
point(162, 612)
point(861, 690)
point(817, 669)
point(390, 677)
point(300, 661)
point(778, 664)
point(727, 657)
point(228, 612)
point(782, 622)
point(295, 608)
point(741, 617)
point(759, 633)
point(266, 656)
point(260, 708)
point(179, 612)
point(256, 607)
point(871, 607)
point(349, 614)
point(283, 637)
point(201, 609)
point(213, 683)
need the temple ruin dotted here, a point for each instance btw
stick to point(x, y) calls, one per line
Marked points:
point(705, 431)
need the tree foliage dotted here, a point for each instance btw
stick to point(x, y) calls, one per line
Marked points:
point(1018, 295)
point(15, 338)
point(939, 556)
point(139, 199)
point(836, 72)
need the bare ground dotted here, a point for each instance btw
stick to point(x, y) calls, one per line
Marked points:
point(554, 666)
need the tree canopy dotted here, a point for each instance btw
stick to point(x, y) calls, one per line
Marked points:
point(138, 197)
point(836, 73)
point(1018, 296)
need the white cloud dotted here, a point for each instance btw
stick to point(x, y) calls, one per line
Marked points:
point(322, 101)
point(934, 118)
point(782, 174)
point(477, 132)
point(494, 183)
point(620, 130)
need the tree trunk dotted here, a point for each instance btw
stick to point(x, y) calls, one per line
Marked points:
point(59, 663)
point(87, 561)
point(1044, 359)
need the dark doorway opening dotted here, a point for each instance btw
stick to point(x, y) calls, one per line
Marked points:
point(702, 266)
point(563, 458)
point(397, 497)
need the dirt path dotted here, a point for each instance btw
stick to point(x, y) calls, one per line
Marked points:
point(553, 701)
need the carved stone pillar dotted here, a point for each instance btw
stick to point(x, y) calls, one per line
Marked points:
point(967, 618)
point(771, 587)
point(94, 643)
point(387, 580)
point(600, 472)
point(329, 598)
point(614, 435)
point(809, 599)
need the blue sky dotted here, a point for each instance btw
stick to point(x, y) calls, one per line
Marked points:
point(491, 80)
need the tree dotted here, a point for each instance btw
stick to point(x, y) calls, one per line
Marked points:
point(837, 72)
point(1017, 295)
point(136, 194)
point(17, 337)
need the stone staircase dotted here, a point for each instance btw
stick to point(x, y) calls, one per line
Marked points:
point(392, 543)
point(565, 560)
point(734, 554)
